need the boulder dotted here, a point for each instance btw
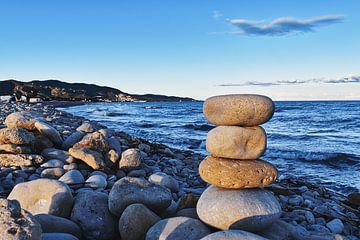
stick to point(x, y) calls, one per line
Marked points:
point(72, 177)
point(53, 153)
point(94, 141)
point(17, 224)
point(164, 180)
point(178, 228)
point(21, 119)
point(91, 158)
point(136, 221)
point(44, 196)
point(72, 139)
point(85, 127)
point(20, 160)
point(127, 191)
point(233, 235)
point(91, 213)
point(236, 142)
point(49, 132)
point(14, 149)
point(17, 136)
point(245, 209)
point(130, 158)
point(53, 224)
point(244, 110)
point(58, 236)
point(236, 174)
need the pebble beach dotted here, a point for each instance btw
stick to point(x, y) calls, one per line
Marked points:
point(66, 177)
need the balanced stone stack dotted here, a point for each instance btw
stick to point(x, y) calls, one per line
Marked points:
point(236, 198)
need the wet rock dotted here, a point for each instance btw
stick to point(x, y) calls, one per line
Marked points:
point(130, 158)
point(137, 173)
point(178, 228)
point(15, 136)
point(17, 224)
point(238, 109)
point(54, 224)
point(44, 196)
point(91, 158)
point(229, 173)
point(91, 213)
point(246, 209)
point(354, 198)
point(20, 160)
point(236, 142)
point(127, 191)
point(164, 180)
point(135, 221)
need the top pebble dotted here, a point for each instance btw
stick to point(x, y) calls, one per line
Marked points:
point(244, 110)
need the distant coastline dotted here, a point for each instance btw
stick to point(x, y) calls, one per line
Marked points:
point(49, 90)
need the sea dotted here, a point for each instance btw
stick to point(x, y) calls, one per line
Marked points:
point(314, 141)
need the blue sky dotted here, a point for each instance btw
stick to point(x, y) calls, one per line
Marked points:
point(187, 48)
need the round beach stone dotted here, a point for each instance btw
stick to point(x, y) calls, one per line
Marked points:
point(246, 209)
point(53, 224)
point(49, 132)
point(233, 235)
point(178, 228)
point(54, 163)
point(229, 173)
point(15, 136)
point(44, 196)
point(136, 221)
point(245, 110)
point(91, 213)
point(96, 181)
point(53, 153)
point(165, 180)
point(54, 173)
point(128, 190)
point(17, 224)
point(72, 177)
point(130, 158)
point(58, 236)
point(236, 142)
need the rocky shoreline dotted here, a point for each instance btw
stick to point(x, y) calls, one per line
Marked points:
point(113, 163)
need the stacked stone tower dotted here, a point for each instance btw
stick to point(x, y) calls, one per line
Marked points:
point(236, 198)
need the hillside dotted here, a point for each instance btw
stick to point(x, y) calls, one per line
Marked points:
point(63, 91)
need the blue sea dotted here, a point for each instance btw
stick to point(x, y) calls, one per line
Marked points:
point(318, 142)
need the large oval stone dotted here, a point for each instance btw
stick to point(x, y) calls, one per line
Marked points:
point(177, 228)
point(233, 235)
point(245, 209)
point(229, 173)
point(239, 109)
point(236, 142)
point(129, 190)
point(44, 196)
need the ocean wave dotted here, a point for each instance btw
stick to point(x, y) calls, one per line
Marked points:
point(330, 159)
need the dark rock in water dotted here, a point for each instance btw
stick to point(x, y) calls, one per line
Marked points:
point(92, 214)
point(127, 191)
point(178, 228)
point(53, 224)
point(136, 221)
point(354, 198)
point(17, 224)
